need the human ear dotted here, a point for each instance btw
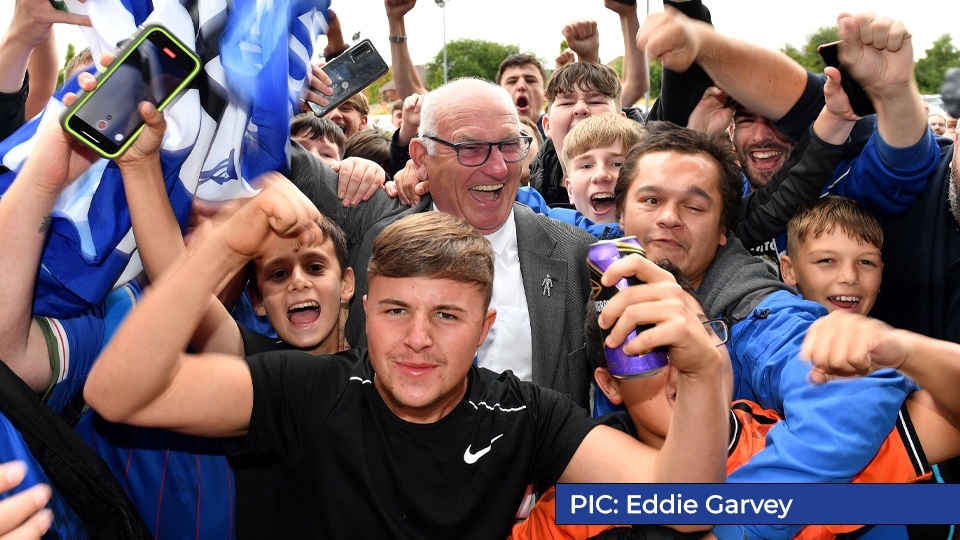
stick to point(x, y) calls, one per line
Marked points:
point(347, 286)
point(608, 385)
point(786, 270)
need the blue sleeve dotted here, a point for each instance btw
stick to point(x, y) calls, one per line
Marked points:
point(532, 198)
point(884, 179)
point(831, 431)
point(79, 340)
point(66, 522)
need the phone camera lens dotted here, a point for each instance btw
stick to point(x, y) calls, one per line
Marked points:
point(361, 51)
point(102, 125)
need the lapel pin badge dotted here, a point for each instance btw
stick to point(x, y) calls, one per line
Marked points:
point(547, 284)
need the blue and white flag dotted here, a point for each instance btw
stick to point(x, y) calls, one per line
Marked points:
point(230, 128)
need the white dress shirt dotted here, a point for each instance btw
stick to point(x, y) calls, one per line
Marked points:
point(509, 344)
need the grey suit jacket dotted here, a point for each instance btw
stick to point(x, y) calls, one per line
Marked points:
point(546, 248)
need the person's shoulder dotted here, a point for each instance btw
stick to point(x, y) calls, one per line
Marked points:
point(782, 308)
point(505, 392)
point(492, 390)
point(946, 146)
point(289, 359)
point(779, 319)
point(620, 421)
point(786, 301)
point(565, 234)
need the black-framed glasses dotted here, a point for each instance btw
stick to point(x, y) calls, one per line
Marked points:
point(476, 153)
point(719, 328)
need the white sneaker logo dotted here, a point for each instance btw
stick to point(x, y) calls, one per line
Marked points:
point(471, 458)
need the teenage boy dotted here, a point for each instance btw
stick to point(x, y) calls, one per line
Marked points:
point(574, 92)
point(350, 431)
point(523, 76)
point(592, 154)
point(351, 115)
point(834, 254)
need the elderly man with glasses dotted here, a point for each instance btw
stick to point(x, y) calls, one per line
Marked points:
point(470, 147)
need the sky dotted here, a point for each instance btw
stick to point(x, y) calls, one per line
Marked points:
point(535, 25)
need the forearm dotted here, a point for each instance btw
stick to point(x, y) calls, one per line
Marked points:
point(695, 447)
point(636, 76)
point(14, 56)
point(935, 365)
point(155, 226)
point(25, 214)
point(766, 81)
point(405, 75)
point(901, 120)
point(43, 76)
point(831, 128)
point(399, 154)
point(142, 361)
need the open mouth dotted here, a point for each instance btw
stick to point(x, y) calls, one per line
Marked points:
point(522, 102)
point(766, 159)
point(486, 193)
point(843, 301)
point(601, 203)
point(304, 313)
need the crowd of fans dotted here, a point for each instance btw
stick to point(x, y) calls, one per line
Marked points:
point(341, 355)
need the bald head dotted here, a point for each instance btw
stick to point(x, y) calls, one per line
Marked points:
point(456, 94)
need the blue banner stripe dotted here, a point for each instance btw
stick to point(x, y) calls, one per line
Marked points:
point(758, 504)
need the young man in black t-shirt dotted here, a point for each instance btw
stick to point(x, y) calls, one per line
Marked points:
point(408, 439)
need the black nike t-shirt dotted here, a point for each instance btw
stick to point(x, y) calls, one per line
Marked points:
point(256, 343)
point(352, 469)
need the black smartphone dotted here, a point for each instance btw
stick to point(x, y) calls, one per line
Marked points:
point(355, 69)
point(859, 100)
point(152, 66)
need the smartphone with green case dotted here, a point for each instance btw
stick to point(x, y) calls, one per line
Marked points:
point(152, 66)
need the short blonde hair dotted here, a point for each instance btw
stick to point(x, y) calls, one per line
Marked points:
point(815, 218)
point(600, 131)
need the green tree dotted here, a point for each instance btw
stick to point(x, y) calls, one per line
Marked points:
point(469, 58)
point(617, 65)
point(930, 69)
point(807, 56)
point(656, 80)
point(373, 91)
point(71, 52)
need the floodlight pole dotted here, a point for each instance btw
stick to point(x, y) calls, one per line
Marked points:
point(443, 7)
point(646, 95)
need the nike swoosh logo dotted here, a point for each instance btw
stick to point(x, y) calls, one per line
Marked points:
point(470, 458)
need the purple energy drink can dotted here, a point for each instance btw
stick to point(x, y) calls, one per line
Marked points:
point(621, 365)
